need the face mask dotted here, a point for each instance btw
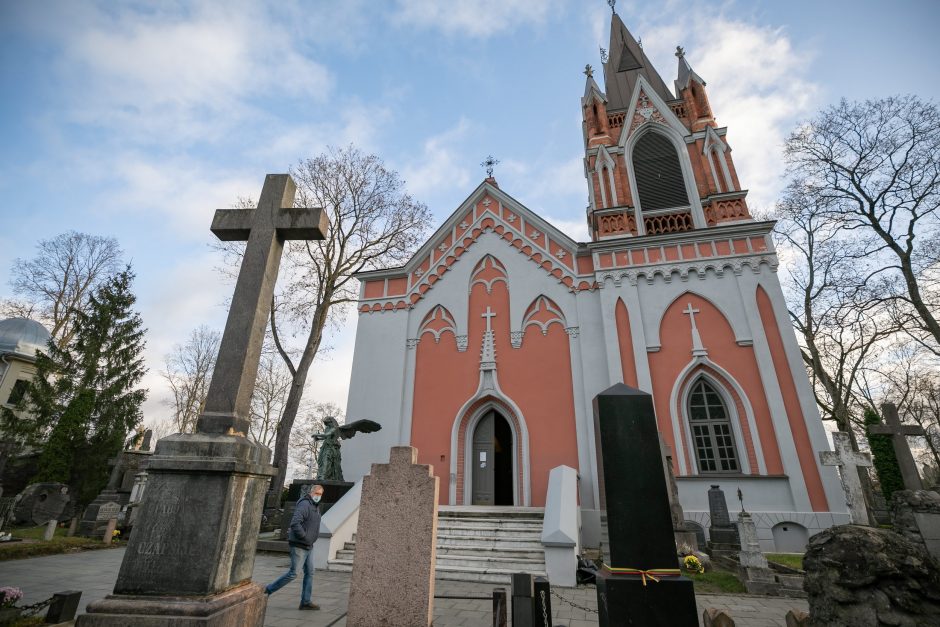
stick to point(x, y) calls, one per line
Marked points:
point(316, 498)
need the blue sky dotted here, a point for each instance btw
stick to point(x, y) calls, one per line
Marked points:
point(136, 120)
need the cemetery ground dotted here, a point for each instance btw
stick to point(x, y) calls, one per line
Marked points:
point(94, 572)
point(31, 543)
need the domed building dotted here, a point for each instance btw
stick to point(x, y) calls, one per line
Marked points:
point(20, 340)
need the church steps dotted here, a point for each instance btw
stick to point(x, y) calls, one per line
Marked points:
point(483, 545)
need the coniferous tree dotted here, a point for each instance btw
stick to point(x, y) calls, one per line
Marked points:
point(83, 400)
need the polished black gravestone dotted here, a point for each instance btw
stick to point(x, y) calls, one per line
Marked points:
point(642, 585)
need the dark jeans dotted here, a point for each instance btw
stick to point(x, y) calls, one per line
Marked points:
point(298, 556)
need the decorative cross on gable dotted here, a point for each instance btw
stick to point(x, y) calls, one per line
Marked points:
point(487, 315)
point(698, 349)
point(488, 164)
point(902, 450)
point(275, 219)
point(849, 462)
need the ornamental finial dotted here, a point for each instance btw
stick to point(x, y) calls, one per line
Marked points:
point(488, 163)
point(588, 71)
point(612, 3)
point(680, 52)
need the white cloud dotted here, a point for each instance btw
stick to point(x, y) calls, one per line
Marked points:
point(477, 18)
point(439, 167)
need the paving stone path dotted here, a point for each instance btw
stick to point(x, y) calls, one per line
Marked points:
point(94, 572)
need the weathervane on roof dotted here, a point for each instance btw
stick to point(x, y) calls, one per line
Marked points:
point(612, 3)
point(588, 70)
point(680, 52)
point(604, 55)
point(488, 163)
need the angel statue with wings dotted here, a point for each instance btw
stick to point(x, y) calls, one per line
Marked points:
point(329, 460)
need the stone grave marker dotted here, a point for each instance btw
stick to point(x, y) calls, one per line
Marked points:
point(848, 462)
point(902, 450)
point(107, 511)
point(683, 532)
point(642, 584)
point(190, 558)
point(49, 532)
point(722, 533)
point(40, 502)
point(756, 573)
point(392, 582)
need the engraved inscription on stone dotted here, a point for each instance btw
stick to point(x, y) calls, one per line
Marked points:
point(108, 511)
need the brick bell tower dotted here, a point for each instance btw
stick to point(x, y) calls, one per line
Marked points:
point(656, 162)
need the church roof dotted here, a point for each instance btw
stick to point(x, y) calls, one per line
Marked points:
point(626, 63)
point(23, 337)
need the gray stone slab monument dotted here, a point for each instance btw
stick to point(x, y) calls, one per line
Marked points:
point(190, 558)
point(722, 534)
point(848, 462)
point(902, 450)
point(392, 582)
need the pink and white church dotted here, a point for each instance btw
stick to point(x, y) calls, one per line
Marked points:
point(486, 349)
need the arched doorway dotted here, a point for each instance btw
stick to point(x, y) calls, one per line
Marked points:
point(491, 461)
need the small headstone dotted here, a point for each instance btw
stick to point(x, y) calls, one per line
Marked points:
point(108, 511)
point(848, 462)
point(902, 450)
point(713, 617)
point(63, 607)
point(73, 525)
point(642, 584)
point(722, 533)
point(523, 593)
point(392, 581)
point(797, 618)
point(49, 532)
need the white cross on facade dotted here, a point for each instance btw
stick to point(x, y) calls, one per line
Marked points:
point(489, 314)
point(697, 348)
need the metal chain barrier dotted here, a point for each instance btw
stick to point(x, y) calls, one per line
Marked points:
point(572, 603)
point(35, 608)
point(544, 609)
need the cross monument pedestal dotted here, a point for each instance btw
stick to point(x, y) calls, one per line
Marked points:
point(190, 558)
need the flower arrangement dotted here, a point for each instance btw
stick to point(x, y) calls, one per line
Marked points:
point(115, 533)
point(693, 564)
point(9, 596)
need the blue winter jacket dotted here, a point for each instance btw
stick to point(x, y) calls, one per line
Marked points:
point(304, 524)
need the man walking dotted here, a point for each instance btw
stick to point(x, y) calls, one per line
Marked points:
point(304, 529)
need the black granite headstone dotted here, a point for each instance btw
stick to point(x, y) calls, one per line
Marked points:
point(522, 606)
point(63, 607)
point(642, 584)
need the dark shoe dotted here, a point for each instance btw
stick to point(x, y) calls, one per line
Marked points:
point(310, 606)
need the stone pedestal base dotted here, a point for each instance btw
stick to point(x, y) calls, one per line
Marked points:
point(243, 606)
point(624, 600)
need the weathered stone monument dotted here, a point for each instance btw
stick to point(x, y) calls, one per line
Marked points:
point(124, 469)
point(684, 534)
point(642, 584)
point(392, 581)
point(190, 559)
point(722, 534)
point(899, 433)
point(848, 462)
point(39, 503)
point(755, 572)
point(869, 577)
point(916, 516)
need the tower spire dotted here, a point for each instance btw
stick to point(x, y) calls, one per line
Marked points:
point(626, 63)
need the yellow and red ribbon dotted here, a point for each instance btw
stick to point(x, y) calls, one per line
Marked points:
point(653, 573)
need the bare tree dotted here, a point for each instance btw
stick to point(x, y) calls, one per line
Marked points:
point(374, 223)
point(58, 280)
point(874, 168)
point(188, 370)
point(304, 449)
point(269, 397)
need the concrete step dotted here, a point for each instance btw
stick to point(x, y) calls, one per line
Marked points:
point(503, 562)
point(491, 532)
point(482, 523)
point(509, 542)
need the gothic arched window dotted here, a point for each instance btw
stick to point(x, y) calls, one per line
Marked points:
point(658, 175)
point(711, 430)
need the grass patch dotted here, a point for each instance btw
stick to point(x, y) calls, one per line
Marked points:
point(716, 582)
point(793, 560)
point(59, 544)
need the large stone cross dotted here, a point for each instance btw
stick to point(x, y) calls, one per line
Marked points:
point(265, 228)
point(849, 461)
point(902, 450)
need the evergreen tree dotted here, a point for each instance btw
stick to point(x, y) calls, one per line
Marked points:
point(884, 459)
point(83, 402)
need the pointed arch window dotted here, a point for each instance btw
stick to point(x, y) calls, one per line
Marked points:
point(711, 430)
point(659, 180)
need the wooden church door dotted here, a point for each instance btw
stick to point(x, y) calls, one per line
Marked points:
point(484, 461)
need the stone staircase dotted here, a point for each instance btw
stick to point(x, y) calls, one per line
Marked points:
point(485, 544)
